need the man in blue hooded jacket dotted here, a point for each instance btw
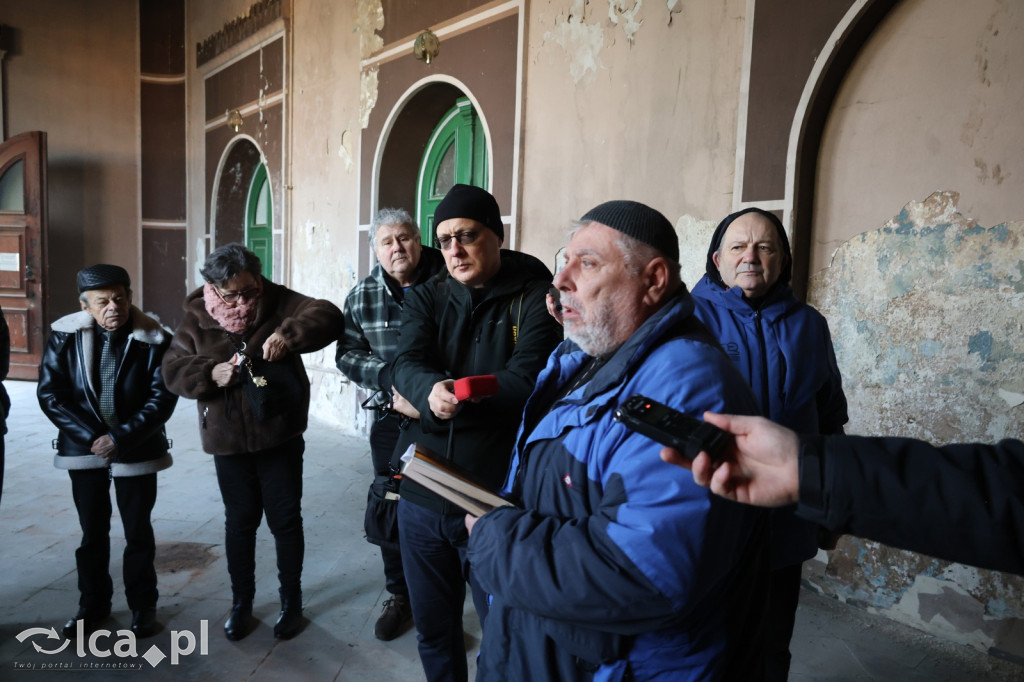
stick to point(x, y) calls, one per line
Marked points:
point(615, 567)
point(784, 349)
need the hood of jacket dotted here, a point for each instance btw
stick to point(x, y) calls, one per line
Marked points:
point(778, 303)
point(716, 241)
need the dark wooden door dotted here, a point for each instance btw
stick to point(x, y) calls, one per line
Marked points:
point(23, 249)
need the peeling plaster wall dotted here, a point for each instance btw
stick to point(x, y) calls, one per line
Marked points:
point(927, 314)
point(932, 103)
point(631, 108)
point(324, 141)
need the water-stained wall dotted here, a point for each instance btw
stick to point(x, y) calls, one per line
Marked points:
point(927, 315)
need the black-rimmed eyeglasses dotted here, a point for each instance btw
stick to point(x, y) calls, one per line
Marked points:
point(234, 296)
point(463, 238)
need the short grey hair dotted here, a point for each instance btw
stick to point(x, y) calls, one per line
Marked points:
point(635, 254)
point(391, 216)
point(228, 262)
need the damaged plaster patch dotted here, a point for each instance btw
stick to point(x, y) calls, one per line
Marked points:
point(367, 96)
point(946, 610)
point(674, 8)
point(369, 20)
point(581, 41)
point(345, 150)
point(620, 12)
point(694, 236)
point(1012, 399)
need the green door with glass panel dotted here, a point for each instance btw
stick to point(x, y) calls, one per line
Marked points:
point(456, 153)
point(259, 222)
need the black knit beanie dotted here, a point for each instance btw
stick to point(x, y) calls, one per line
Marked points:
point(638, 221)
point(467, 201)
point(716, 242)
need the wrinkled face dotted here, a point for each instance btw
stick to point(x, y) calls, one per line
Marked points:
point(398, 249)
point(471, 251)
point(751, 255)
point(242, 287)
point(110, 308)
point(601, 300)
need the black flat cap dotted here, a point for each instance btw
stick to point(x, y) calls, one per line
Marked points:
point(103, 276)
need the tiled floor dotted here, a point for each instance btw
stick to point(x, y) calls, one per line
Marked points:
point(343, 583)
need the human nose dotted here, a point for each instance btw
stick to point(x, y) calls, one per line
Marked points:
point(562, 280)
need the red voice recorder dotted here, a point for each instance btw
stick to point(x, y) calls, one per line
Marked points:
point(472, 388)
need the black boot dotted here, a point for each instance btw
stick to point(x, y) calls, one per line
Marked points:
point(239, 621)
point(289, 623)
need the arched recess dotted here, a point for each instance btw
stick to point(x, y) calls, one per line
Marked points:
point(239, 164)
point(405, 136)
point(819, 93)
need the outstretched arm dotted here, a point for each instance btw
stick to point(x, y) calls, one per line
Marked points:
point(760, 464)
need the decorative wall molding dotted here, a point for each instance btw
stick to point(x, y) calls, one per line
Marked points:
point(261, 14)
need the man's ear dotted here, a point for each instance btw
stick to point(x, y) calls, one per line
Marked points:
point(85, 304)
point(715, 259)
point(656, 276)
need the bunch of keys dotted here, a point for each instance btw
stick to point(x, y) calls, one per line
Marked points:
point(242, 358)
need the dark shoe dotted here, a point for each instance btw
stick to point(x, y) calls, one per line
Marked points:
point(93, 619)
point(394, 619)
point(289, 623)
point(239, 622)
point(144, 622)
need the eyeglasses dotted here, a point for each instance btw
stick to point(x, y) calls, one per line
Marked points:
point(465, 237)
point(233, 296)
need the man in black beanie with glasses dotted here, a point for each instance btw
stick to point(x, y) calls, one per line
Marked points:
point(485, 314)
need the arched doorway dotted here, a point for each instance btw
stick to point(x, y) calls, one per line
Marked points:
point(243, 202)
point(259, 219)
point(455, 153)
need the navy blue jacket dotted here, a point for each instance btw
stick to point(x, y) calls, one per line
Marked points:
point(618, 564)
point(784, 349)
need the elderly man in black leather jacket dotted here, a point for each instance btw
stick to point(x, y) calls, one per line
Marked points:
point(100, 384)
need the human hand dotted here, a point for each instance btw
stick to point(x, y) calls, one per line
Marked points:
point(274, 348)
point(470, 522)
point(104, 447)
point(402, 406)
point(442, 400)
point(759, 465)
point(554, 309)
point(225, 374)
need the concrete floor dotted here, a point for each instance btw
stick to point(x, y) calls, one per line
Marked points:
point(342, 580)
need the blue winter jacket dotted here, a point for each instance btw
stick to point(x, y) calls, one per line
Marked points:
point(784, 349)
point(617, 565)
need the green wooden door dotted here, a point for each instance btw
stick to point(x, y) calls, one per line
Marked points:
point(456, 153)
point(259, 222)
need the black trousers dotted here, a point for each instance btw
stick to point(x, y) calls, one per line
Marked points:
point(783, 599)
point(254, 483)
point(135, 496)
point(383, 438)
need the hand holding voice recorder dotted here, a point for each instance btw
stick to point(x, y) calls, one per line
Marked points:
point(670, 427)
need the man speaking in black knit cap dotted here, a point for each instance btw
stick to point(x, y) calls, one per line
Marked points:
point(614, 566)
point(485, 314)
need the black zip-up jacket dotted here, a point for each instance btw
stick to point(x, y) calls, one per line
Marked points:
point(508, 333)
point(67, 395)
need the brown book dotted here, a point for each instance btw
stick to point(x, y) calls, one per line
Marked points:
point(449, 481)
